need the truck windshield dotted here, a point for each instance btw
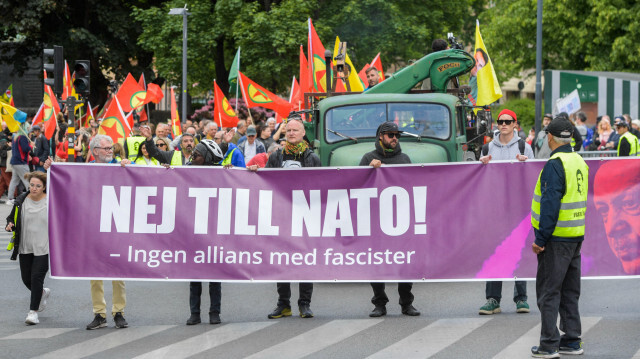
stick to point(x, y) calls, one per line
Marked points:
point(362, 120)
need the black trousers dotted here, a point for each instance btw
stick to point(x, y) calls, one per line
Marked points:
point(33, 270)
point(380, 297)
point(558, 291)
point(494, 290)
point(215, 296)
point(284, 293)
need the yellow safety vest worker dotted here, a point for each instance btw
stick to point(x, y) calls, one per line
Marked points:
point(176, 160)
point(573, 205)
point(133, 145)
point(633, 142)
point(141, 161)
point(227, 158)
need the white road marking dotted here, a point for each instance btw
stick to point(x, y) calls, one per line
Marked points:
point(432, 338)
point(42, 333)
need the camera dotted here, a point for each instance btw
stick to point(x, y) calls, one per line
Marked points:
point(453, 42)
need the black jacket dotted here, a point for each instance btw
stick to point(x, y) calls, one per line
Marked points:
point(163, 157)
point(41, 149)
point(388, 158)
point(16, 212)
point(307, 159)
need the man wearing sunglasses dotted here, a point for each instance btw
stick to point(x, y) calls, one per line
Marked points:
point(173, 158)
point(506, 145)
point(388, 152)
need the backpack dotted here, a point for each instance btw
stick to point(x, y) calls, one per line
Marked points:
point(485, 147)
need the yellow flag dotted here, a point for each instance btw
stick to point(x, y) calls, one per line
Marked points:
point(12, 116)
point(488, 86)
point(354, 80)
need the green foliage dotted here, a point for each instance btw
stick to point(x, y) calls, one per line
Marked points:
point(598, 35)
point(524, 108)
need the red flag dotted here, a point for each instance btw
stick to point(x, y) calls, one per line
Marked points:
point(378, 65)
point(295, 98)
point(115, 124)
point(142, 110)
point(257, 96)
point(104, 108)
point(154, 94)
point(305, 74)
point(363, 75)
point(84, 121)
point(130, 95)
point(66, 84)
point(39, 117)
point(176, 129)
point(317, 65)
point(50, 110)
point(223, 113)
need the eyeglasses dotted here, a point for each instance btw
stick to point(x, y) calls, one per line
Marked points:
point(161, 144)
point(108, 149)
point(393, 134)
point(505, 122)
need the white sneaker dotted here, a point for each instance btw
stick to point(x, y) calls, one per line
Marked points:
point(9, 202)
point(32, 318)
point(43, 300)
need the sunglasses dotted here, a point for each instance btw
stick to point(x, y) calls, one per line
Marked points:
point(161, 144)
point(393, 134)
point(505, 122)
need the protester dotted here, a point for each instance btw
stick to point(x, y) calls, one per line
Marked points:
point(206, 153)
point(388, 151)
point(41, 148)
point(628, 143)
point(603, 133)
point(261, 158)
point(241, 129)
point(558, 218)
point(210, 130)
point(143, 157)
point(5, 177)
point(541, 146)
point(612, 144)
point(163, 144)
point(29, 223)
point(132, 144)
point(506, 145)
point(191, 130)
point(373, 77)
point(118, 152)
point(264, 136)
point(233, 157)
point(251, 147)
point(295, 154)
point(173, 158)
point(20, 149)
point(271, 122)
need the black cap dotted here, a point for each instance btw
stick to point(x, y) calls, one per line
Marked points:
point(560, 127)
point(622, 123)
point(387, 127)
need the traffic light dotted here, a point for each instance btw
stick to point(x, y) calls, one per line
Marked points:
point(82, 81)
point(56, 68)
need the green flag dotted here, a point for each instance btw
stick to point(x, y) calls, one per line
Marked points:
point(233, 73)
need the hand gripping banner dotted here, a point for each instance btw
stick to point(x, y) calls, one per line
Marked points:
point(445, 222)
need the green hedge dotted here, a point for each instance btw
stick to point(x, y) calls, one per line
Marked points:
point(524, 108)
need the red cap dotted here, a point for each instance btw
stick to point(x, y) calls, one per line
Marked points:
point(508, 112)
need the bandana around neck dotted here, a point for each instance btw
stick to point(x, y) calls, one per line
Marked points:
point(295, 150)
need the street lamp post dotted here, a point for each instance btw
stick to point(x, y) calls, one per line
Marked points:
point(183, 11)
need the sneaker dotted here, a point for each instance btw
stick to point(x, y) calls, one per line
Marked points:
point(279, 312)
point(43, 300)
point(9, 202)
point(120, 321)
point(536, 352)
point(214, 318)
point(378, 311)
point(490, 307)
point(571, 348)
point(98, 322)
point(410, 310)
point(305, 311)
point(32, 318)
point(194, 319)
point(522, 306)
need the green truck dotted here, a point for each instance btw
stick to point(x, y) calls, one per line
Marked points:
point(438, 125)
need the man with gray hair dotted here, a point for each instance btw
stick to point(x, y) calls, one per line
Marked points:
point(210, 130)
point(241, 129)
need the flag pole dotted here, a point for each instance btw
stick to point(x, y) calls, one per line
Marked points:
point(236, 83)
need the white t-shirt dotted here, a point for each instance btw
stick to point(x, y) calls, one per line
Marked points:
point(249, 151)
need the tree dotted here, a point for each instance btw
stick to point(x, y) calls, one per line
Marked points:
point(98, 30)
point(592, 35)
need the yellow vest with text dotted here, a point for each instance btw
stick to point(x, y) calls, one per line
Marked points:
point(573, 204)
point(633, 142)
point(176, 160)
point(133, 145)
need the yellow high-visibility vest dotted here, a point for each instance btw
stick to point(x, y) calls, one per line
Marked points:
point(633, 142)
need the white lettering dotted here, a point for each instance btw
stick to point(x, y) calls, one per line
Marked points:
point(264, 215)
point(338, 214)
point(168, 210)
point(120, 211)
point(242, 225)
point(307, 213)
point(363, 208)
point(144, 209)
point(398, 198)
point(201, 218)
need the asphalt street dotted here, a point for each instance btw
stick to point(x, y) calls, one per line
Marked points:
point(449, 326)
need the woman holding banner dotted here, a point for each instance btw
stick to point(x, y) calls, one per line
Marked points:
point(29, 223)
point(143, 157)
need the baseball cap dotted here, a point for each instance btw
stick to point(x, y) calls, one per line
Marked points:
point(560, 127)
point(387, 126)
point(251, 130)
point(35, 128)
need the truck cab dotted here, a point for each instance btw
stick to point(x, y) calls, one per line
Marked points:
point(435, 124)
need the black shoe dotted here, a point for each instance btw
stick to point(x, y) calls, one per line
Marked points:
point(98, 322)
point(120, 321)
point(410, 310)
point(279, 312)
point(193, 319)
point(305, 311)
point(378, 311)
point(214, 318)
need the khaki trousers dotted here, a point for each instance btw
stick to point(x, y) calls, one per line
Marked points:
point(119, 299)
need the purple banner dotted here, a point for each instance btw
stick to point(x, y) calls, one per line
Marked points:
point(461, 221)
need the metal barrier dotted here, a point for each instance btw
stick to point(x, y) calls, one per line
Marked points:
point(595, 154)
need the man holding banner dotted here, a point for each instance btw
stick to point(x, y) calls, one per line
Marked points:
point(558, 218)
point(173, 158)
point(295, 154)
point(388, 152)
